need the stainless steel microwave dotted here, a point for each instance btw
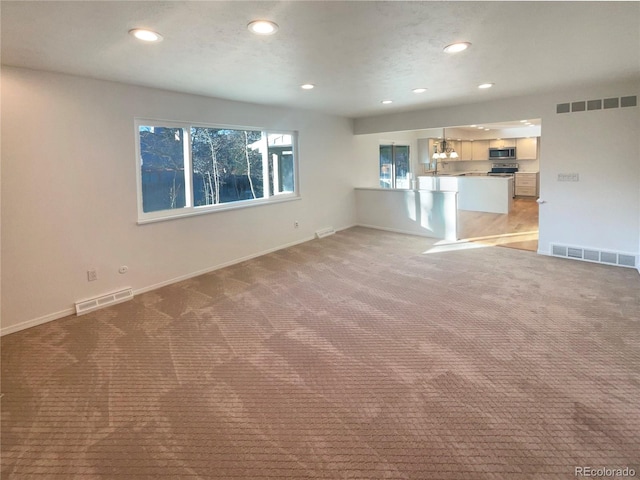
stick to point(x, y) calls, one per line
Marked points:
point(502, 153)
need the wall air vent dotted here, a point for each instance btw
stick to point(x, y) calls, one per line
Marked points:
point(574, 252)
point(597, 104)
point(626, 260)
point(592, 255)
point(325, 232)
point(86, 306)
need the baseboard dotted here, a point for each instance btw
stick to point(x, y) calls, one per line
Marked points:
point(37, 321)
point(219, 266)
point(396, 230)
point(71, 310)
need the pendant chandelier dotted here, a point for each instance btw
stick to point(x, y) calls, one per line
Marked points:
point(443, 149)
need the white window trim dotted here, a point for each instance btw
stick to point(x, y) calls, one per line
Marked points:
point(189, 210)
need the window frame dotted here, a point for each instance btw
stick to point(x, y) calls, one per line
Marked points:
point(393, 177)
point(189, 209)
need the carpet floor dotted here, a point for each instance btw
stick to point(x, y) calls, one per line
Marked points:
point(364, 355)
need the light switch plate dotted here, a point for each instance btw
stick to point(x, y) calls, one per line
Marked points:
point(568, 177)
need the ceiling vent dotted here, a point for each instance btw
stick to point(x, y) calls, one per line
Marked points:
point(592, 255)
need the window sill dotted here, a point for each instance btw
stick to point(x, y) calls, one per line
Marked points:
point(219, 208)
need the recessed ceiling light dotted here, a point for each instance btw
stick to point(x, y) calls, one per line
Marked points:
point(386, 102)
point(307, 86)
point(145, 35)
point(524, 121)
point(480, 128)
point(486, 129)
point(457, 47)
point(473, 126)
point(485, 85)
point(419, 90)
point(263, 27)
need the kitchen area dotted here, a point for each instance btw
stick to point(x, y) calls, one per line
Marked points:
point(487, 165)
point(470, 181)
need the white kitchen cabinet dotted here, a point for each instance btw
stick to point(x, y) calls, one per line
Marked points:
point(466, 150)
point(527, 148)
point(527, 184)
point(480, 150)
point(502, 143)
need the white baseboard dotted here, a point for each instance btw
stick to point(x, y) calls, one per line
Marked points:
point(218, 267)
point(396, 230)
point(71, 310)
point(37, 321)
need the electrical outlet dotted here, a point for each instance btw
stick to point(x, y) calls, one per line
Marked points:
point(92, 275)
point(296, 224)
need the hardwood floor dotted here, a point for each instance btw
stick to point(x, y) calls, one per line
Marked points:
point(518, 229)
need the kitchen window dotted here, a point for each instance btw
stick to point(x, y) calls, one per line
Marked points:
point(394, 166)
point(188, 169)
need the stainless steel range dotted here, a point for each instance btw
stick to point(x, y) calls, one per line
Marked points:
point(503, 169)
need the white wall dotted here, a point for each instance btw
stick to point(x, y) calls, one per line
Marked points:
point(600, 211)
point(69, 191)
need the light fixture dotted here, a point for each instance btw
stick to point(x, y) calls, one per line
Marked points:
point(473, 126)
point(307, 86)
point(524, 121)
point(443, 149)
point(263, 27)
point(145, 35)
point(419, 90)
point(485, 85)
point(386, 102)
point(456, 47)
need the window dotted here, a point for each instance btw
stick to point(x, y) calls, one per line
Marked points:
point(394, 166)
point(188, 169)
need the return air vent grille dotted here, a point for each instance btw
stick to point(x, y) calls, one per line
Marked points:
point(574, 252)
point(597, 104)
point(626, 260)
point(325, 232)
point(95, 303)
point(591, 255)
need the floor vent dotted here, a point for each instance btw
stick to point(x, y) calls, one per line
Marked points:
point(325, 232)
point(92, 304)
point(591, 255)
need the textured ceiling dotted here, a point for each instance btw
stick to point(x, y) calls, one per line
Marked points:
point(357, 53)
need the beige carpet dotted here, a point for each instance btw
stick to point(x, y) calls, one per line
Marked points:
point(358, 356)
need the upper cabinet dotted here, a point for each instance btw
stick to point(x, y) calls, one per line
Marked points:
point(466, 150)
point(527, 148)
point(481, 149)
point(502, 143)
